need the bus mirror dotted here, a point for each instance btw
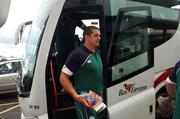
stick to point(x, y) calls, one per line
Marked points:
point(21, 31)
point(4, 10)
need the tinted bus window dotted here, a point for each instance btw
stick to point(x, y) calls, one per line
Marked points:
point(139, 31)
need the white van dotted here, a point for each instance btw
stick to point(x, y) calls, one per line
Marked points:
point(21, 13)
point(4, 10)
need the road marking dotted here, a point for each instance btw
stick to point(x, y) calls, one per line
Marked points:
point(7, 110)
point(6, 104)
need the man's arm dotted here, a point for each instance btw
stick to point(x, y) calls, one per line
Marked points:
point(65, 82)
point(171, 90)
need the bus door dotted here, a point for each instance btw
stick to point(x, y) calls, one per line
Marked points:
point(130, 92)
point(67, 37)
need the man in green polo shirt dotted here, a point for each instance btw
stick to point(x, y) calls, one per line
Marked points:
point(173, 89)
point(85, 65)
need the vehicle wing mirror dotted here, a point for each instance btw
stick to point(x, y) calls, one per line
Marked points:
point(21, 30)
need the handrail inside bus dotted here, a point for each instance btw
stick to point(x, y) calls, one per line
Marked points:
point(54, 87)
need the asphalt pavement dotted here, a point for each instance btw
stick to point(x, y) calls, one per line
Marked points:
point(10, 109)
point(9, 106)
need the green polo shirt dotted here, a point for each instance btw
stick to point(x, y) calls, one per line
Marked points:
point(86, 68)
point(175, 79)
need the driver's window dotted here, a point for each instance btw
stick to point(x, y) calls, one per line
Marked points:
point(129, 51)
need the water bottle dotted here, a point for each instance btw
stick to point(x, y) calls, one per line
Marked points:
point(91, 100)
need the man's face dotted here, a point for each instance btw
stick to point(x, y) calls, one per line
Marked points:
point(94, 38)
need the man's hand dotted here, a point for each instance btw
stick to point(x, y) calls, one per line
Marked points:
point(81, 99)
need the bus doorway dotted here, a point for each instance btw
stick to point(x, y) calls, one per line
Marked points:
point(67, 37)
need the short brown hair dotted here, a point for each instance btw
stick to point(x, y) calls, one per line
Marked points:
point(88, 31)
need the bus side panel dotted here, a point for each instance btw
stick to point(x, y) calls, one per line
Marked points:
point(136, 107)
point(133, 98)
point(167, 54)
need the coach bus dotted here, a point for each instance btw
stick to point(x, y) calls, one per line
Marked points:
point(140, 44)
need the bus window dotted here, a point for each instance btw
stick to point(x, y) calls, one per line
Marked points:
point(136, 36)
point(129, 50)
